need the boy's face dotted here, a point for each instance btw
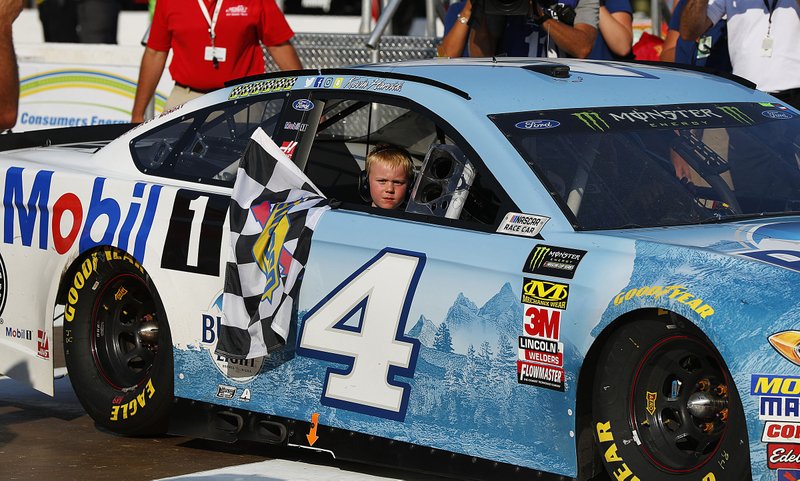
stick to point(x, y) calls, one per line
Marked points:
point(387, 185)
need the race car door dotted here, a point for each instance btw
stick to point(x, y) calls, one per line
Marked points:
point(410, 318)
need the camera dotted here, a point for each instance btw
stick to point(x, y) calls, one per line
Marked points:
point(506, 7)
point(550, 8)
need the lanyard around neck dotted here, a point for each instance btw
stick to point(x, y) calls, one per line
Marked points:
point(212, 21)
point(771, 10)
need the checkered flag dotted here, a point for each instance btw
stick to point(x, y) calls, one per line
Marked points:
point(274, 209)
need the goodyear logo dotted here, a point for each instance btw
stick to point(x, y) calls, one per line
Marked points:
point(269, 252)
point(774, 385)
point(736, 114)
point(545, 293)
point(592, 120)
point(262, 87)
point(675, 292)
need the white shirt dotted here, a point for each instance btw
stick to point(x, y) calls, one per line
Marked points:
point(748, 23)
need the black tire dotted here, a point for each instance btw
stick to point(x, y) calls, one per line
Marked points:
point(664, 407)
point(117, 345)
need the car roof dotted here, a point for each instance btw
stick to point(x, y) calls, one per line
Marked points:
point(515, 84)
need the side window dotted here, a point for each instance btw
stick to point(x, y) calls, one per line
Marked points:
point(206, 145)
point(446, 184)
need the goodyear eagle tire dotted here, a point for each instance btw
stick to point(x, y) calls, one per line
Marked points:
point(665, 407)
point(117, 345)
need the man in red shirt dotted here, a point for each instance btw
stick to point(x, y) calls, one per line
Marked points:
point(213, 41)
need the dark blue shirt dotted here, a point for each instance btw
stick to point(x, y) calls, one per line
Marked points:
point(600, 51)
point(518, 29)
point(712, 53)
point(450, 19)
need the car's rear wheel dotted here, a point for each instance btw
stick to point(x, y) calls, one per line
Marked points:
point(118, 346)
point(665, 407)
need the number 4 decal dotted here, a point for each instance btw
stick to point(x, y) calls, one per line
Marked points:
point(361, 323)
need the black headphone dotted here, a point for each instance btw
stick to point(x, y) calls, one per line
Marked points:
point(363, 178)
point(363, 186)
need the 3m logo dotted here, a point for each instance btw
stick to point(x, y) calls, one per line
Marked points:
point(736, 114)
point(544, 293)
point(766, 385)
point(592, 120)
point(541, 322)
point(537, 257)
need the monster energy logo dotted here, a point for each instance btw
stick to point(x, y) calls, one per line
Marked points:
point(538, 257)
point(592, 120)
point(736, 114)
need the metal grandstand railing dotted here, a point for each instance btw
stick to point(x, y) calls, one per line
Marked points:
point(325, 50)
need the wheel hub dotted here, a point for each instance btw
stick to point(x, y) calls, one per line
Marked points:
point(126, 332)
point(679, 404)
point(148, 330)
point(705, 405)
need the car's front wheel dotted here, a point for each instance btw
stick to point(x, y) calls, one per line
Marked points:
point(117, 345)
point(665, 407)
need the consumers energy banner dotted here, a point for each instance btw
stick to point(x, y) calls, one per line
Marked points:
point(74, 93)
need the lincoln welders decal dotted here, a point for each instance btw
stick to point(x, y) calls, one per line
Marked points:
point(194, 238)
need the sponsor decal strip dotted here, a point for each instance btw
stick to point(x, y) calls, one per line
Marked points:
point(785, 456)
point(675, 292)
point(524, 225)
point(541, 355)
point(781, 432)
point(553, 261)
point(104, 209)
point(545, 293)
point(262, 87)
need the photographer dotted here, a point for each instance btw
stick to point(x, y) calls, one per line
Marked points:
point(459, 34)
point(540, 28)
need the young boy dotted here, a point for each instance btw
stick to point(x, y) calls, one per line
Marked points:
point(389, 173)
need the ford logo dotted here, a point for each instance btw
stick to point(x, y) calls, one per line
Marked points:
point(303, 105)
point(777, 114)
point(537, 124)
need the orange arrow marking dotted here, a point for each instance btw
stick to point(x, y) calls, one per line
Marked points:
point(312, 433)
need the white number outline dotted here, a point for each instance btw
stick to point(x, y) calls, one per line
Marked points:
point(393, 371)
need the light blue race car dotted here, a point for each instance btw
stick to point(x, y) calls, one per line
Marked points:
point(593, 270)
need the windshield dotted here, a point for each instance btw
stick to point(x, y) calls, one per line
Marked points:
point(648, 166)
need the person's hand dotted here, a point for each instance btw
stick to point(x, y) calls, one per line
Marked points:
point(9, 11)
point(682, 169)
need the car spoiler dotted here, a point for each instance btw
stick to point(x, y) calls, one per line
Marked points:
point(61, 136)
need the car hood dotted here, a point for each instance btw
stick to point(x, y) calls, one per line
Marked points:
point(775, 241)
